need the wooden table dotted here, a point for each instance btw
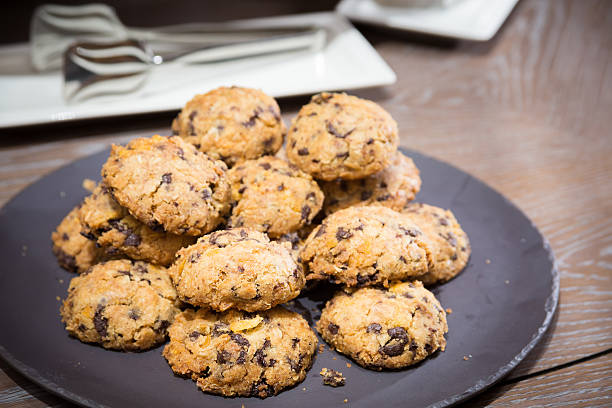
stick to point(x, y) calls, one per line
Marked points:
point(529, 112)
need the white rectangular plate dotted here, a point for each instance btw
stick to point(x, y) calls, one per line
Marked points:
point(347, 62)
point(476, 20)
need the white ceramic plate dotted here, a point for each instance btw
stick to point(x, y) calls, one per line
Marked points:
point(347, 62)
point(476, 20)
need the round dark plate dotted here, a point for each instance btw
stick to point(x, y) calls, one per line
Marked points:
point(502, 304)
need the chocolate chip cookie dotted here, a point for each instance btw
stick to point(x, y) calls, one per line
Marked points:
point(73, 251)
point(272, 196)
point(122, 305)
point(452, 246)
point(237, 268)
point(241, 354)
point(166, 183)
point(110, 225)
point(232, 124)
point(341, 136)
point(381, 328)
point(366, 245)
point(392, 187)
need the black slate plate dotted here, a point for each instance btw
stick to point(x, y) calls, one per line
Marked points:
point(500, 309)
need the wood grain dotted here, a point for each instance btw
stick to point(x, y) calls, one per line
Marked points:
point(529, 113)
point(588, 384)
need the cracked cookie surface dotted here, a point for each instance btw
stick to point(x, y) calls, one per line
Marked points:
point(241, 354)
point(111, 225)
point(451, 243)
point(393, 329)
point(341, 136)
point(73, 251)
point(366, 245)
point(121, 304)
point(272, 196)
point(392, 187)
point(166, 183)
point(232, 124)
point(236, 268)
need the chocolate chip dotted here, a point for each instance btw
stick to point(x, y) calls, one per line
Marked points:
point(194, 335)
point(206, 194)
point(280, 187)
point(365, 195)
point(100, 322)
point(167, 178)
point(241, 357)
point(243, 234)
point(65, 237)
point(450, 237)
point(303, 152)
point(413, 346)
point(260, 353)
point(374, 328)
point(156, 226)
point(321, 230)
point(342, 155)
point(401, 258)
point(370, 141)
point(242, 189)
point(240, 339)
point(163, 325)
point(333, 329)
point(397, 342)
point(261, 389)
point(410, 231)
point(134, 314)
point(342, 233)
point(220, 328)
point(294, 342)
point(443, 221)
point(428, 348)
point(181, 153)
point(65, 260)
point(132, 240)
point(383, 197)
point(223, 356)
point(82, 327)
point(408, 295)
point(331, 129)
point(305, 212)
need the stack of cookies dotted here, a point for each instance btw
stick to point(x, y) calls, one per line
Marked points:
point(203, 235)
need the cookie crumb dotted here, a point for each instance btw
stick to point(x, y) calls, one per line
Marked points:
point(345, 400)
point(332, 377)
point(449, 310)
point(321, 348)
point(507, 282)
point(89, 185)
point(487, 261)
point(334, 358)
point(466, 358)
point(348, 365)
point(61, 281)
point(57, 298)
point(304, 389)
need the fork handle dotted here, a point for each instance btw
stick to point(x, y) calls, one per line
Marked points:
point(312, 39)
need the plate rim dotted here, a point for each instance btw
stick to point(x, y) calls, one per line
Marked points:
point(550, 308)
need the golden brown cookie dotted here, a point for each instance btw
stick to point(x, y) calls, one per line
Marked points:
point(110, 225)
point(382, 328)
point(237, 268)
point(122, 305)
point(392, 187)
point(341, 136)
point(452, 246)
point(73, 251)
point(232, 124)
point(272, 196)
point(166, 182)
point(368, 245)
point(241, 354)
